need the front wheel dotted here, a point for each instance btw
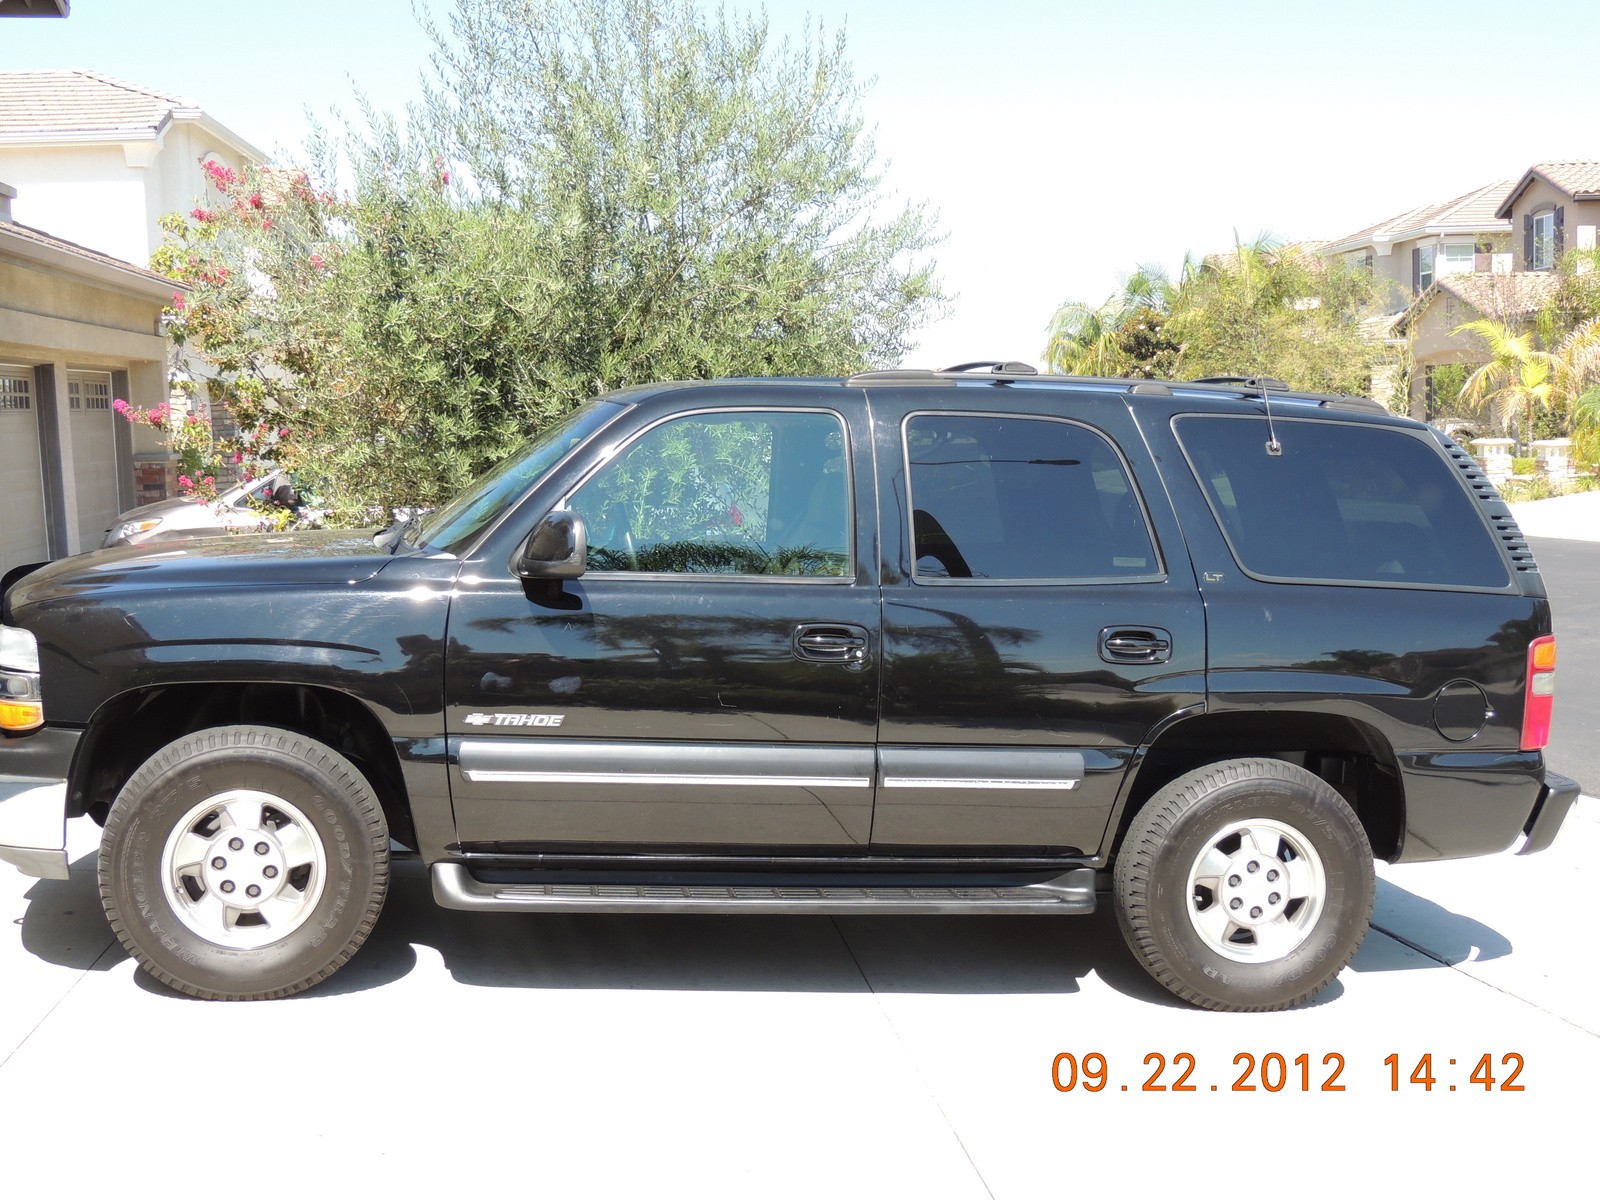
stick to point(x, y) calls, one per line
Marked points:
point(1245, 886)
point(244, 863)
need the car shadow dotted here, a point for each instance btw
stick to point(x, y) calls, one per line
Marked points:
point(951, 955)
point(1445, 937)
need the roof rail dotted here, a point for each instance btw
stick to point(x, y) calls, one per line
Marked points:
point(1255, 381)
point(994, 367)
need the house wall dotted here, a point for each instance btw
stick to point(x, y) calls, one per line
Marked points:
point(51, 325)
point(84, 194)
point(110, 198)
point(1434, 343)
point(1393, 270)
point(1580, 220)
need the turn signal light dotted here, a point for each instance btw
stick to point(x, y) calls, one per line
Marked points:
point(19, 716)
point(1539, 694)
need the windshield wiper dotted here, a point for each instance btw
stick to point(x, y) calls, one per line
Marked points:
point(399, 533)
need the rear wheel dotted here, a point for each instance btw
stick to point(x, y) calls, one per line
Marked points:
point(1245, 886)
point(244, 863)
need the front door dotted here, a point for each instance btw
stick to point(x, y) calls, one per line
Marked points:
point(710, 683)
point(1041, 621)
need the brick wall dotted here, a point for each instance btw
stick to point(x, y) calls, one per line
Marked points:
point(153, 479)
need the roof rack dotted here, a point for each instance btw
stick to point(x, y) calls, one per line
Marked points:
point(994, 367)
point(1255, 381)
point(1000, 372)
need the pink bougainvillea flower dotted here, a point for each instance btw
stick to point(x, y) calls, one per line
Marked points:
point(256, 201)
point(119, 405)
point(185, 482)
point(238, 457)
point(316, 261)
point(283, 433)
point(178, 302)
point(444, 176)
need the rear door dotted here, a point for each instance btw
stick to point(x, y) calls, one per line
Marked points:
point(1040, 618)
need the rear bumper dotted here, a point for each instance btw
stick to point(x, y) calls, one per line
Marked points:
point(1544, 822)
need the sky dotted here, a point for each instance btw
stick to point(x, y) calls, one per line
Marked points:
point(1062, 143)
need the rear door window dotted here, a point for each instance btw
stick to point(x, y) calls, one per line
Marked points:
point(1342, 503)
point(1022, 499)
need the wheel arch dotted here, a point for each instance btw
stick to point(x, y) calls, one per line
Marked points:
point(1352, 756)
point(127, 729)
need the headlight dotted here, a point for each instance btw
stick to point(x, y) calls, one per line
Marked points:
point(19, 650)
point(130, 529)
point(21, 708)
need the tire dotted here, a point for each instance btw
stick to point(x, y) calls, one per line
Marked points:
point(1196, 885)
point(244, 863)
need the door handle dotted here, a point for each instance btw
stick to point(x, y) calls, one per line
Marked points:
point(1122, 644)
point(830, 643)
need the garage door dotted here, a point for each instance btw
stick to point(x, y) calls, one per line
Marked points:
point(94, 454)
point(22, 526)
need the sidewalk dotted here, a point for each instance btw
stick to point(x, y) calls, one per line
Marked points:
point(1573, 517)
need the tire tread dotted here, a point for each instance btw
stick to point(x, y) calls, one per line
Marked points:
point(1152, 826)
point(341, 776)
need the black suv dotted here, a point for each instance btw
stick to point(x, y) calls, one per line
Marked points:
point(908, 642)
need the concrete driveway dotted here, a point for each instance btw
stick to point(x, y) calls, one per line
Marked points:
point(742, 1056)
point(797, 1056)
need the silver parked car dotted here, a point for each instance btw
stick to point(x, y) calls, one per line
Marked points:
point(186, 517)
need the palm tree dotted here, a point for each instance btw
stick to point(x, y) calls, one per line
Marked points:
point(1089, 341)
point(1520, 380)
point(1083, 340)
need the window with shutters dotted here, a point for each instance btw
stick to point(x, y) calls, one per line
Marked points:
point(1541, 249)
point(1424, 268)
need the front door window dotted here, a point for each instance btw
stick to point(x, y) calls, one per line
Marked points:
point(734, 493)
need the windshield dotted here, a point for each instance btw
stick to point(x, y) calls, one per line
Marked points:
point(458, 522)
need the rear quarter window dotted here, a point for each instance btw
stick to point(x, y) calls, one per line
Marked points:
point(1342, 503)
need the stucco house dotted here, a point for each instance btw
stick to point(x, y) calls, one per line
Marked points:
point(1410, 252)
point(1553, 208)
point(94, 163)
point(77, 329)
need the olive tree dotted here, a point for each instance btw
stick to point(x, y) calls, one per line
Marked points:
point(590, 193)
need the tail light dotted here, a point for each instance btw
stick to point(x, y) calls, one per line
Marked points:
point(1539, 693)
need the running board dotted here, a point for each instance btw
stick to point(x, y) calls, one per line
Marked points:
point(455, 887)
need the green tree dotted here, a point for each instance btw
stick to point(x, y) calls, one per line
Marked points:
point(1085, 340)
point(1521, 383)
point(592, 193)
point(713, 194)
point(1123, 336)
point(1263, 309)
point(1279, 311)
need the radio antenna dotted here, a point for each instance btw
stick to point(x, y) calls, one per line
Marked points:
point(1274, 446)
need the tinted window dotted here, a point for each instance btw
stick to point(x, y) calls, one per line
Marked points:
point(1344, 502)
point(724, 493)
point(1021, 498)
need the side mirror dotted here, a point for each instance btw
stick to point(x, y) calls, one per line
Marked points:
point(558, 548)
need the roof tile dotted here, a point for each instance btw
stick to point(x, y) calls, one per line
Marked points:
point(35, 103)
point(1472, 212)
point(39, 237)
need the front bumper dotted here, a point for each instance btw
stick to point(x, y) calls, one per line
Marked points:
point(1555, 801)
point(33, 825)
point(33, 801)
